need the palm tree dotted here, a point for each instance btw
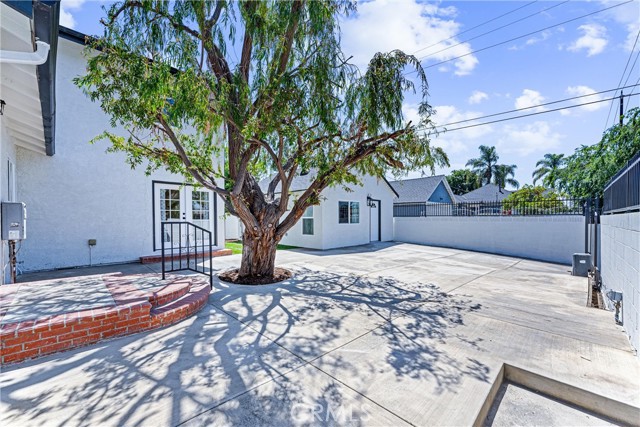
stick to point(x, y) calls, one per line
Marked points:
point(485, 165)
point(549, 169)
point(502, 174)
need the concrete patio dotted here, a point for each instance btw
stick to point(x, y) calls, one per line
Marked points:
point(385, 334)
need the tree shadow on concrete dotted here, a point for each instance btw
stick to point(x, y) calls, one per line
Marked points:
point(249, 356)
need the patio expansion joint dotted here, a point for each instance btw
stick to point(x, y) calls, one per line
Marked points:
point(304, 363)
point(483, 275)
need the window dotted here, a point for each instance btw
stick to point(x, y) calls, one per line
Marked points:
point(348, 212)
point(11, 182)
point(307, 221)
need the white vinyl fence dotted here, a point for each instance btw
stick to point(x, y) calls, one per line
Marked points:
point(553, 238)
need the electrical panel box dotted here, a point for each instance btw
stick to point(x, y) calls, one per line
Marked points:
point(14, 221)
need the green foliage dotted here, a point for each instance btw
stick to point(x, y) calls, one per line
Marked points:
point(548, 170)
point(485, 165)
point(588, 170)
point(462, 181)
point(536, 200)
point(502, 174)
point(264, 83)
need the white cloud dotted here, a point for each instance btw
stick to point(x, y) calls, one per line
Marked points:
point(627, 16)
point(530, 98)
point(527, 139)
point(585, 90)
point(593, 40)
point(66, 17)
point(385, 25)
point(632, 34)
point(477, 97)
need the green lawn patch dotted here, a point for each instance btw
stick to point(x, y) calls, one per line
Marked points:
point(236, 246)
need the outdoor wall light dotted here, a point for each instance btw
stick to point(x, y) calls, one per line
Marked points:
point(2, 104)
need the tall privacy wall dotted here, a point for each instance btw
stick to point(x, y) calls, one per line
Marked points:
point(620, 267)
point(553, 238)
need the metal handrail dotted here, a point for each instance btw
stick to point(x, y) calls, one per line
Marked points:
point(188, 250)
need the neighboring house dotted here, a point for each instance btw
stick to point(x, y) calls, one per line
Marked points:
point(343, 218)
point(486, 193)
point(421, 196)
point(73, 190)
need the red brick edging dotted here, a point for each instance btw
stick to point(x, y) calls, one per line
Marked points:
point(134, 312)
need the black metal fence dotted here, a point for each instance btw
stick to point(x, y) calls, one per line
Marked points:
point(503, 208)
point(622, 192)
point(186, 246)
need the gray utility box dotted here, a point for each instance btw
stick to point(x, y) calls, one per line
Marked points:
point(14, 221)
point(581, 265)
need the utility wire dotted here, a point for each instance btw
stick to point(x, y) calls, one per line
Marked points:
point(495, 29)
point(527, 115)
point(477, 26)
point(540, 105)
point(628, 106)
point(606, 124)
point(632, 66)
point(522, 36)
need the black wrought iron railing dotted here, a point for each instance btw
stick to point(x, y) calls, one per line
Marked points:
point(622, 192)
point(186, 246)
point(503, 208)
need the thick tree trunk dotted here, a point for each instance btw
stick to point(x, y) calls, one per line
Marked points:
point(258, 254)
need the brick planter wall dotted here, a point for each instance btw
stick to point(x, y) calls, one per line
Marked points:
point(27, 340)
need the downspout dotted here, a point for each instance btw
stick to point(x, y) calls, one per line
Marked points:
point(38, 57)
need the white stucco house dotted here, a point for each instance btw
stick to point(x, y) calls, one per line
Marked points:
point(343, 218)
point(74, 191)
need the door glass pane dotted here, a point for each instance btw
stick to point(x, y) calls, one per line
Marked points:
point(169, 204)
point(200, 205)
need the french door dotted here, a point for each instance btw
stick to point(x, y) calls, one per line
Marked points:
point(176, 203)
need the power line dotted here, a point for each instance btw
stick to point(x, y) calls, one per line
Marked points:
point(606, 124)
point(632, 66)
point(522, 36)
point(539, 105)
point(495, 29)
point(530, 114)
point(477, 26)
point(627, 107)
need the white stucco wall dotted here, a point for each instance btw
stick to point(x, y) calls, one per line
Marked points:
point(7, 152)
point(545, 238)
point(82, 192)
point(620, 267)
point(329, 233)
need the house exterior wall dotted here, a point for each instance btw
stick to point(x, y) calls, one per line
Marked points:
point(620, 267)
point(82, 192)
point(440, 195)
point(329, 233)
point(7, 153)
point(545, 238)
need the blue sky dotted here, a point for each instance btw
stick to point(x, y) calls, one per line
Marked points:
point(577, 58)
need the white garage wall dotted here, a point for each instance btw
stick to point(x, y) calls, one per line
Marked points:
point(545, 238)
point(620, 267)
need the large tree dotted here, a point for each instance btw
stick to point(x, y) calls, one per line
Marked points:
point(462, 181)
point(590, 167)
point(272, 79)
point(548, 169)
point(485, 165)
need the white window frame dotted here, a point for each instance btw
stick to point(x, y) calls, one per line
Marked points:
point(307, 217)
point(350, 204)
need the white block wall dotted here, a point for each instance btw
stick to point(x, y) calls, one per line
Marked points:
point(545, 238)
point(620, 267)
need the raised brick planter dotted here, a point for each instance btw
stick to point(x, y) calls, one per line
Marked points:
point(134, 312)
